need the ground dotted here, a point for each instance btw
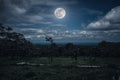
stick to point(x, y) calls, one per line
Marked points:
point(59, 69)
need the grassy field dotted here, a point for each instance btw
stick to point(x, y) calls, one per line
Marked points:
point(60, 69)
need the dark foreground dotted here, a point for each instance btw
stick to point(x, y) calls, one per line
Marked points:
point(60, 69)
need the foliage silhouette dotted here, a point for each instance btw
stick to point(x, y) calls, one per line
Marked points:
point(13, 43)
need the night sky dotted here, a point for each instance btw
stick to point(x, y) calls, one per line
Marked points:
point(85, 20)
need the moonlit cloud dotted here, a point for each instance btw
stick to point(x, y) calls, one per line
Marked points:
point(110, 21)
point(19, 10)
point(58, 25)
point(40, 34)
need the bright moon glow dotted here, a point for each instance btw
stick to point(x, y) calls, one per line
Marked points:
point(60, 13)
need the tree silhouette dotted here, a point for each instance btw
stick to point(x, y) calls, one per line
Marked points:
point(13, 43)
point(50, 39)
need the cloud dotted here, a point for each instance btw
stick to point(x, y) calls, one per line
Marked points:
point(22, 6)
point(113, 15)
point(29, 13)
point(110, 21)
point(17, 11)
point(58, 25)
point(101, 24)
point(68, 35)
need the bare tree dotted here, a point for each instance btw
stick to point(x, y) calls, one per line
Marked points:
point(50, 39)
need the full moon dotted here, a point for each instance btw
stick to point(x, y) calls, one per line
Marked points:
point(60, 13)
